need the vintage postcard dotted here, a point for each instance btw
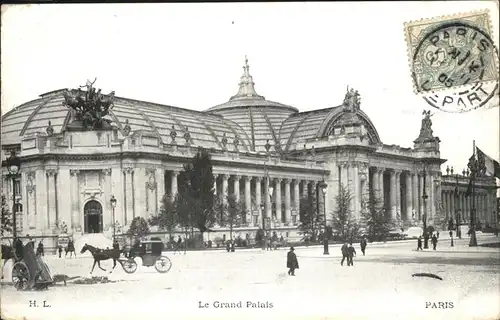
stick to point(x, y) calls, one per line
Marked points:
point(250, 161)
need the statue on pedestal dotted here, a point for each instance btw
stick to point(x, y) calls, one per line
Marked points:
point(352, 100)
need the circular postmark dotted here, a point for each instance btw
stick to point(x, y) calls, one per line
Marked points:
point(460, 56)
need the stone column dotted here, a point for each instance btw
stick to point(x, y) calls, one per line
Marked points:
point(31, 200)
point(394, 198)
point(129, 194)
point(160, 184)
point(215, 184)
point(41, 199)
point(288, 211)
point(117, 189)
point(51, 198)
point(305, 189)
point(445, 204)
point(452, 204)
point(415, 207)
point(420, 195)
point(356, 203)
point(107, 215)
point(381, 185)
point(248, 199)
point(398, 195)
point(173, 184)
point(432, 198)
point(267, 199)
point(296, 197)
point(225, 180)
point(236, 187)
point(75, 200)
point(277, 198)
point(258, 194)
point(409, 198)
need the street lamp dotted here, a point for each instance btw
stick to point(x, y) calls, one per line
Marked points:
point(323, 187)
point(424, 199)
point(113, 206)
point(13, 165)
point(270, 192)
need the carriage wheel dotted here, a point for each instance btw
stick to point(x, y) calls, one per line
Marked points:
point(21, 277)
point(129, 266)
point(163, 264)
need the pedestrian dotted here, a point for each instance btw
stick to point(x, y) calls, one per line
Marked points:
point(116, 245)
point(291, 262)
point(70, 248)
point(40, 249)
point(363, 245)
point(351, 252)
point(344, 253)
point(60, 250)
point(419, 243)
point(434, 242)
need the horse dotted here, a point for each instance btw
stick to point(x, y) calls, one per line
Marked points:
point(100, 255)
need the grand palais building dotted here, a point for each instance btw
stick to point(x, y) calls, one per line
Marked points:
point(67, 177)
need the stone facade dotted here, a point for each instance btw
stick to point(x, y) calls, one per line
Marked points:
point(70, 176)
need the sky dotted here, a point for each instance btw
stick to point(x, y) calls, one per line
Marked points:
point(191, 56)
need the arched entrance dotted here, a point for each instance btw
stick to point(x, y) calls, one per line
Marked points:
point(93, 217)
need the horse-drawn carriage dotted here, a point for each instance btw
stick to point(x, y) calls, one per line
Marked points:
point(150, 253)
point(30, 271)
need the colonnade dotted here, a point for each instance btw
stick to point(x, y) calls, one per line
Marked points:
point(282, 206)
point(459, 203)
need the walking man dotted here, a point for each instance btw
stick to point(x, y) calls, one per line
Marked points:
point(419, 243)
point(40, 249)
point(434, 242)
point(350, 253)
point(291, 262)
point(344, 253)
point(363, 245)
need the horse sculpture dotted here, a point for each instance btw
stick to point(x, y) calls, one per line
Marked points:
point(100, 255)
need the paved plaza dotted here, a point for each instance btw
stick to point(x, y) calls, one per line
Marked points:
point(379, 285)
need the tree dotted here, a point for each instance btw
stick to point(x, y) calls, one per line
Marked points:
point(310, 219)
point(378, 224)
point(6, 222)
point(195, 190)
point(167, 218)
point(138, 227)
point(232, 213)
point(343, 221)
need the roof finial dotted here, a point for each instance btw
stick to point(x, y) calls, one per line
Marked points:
point(247, 89)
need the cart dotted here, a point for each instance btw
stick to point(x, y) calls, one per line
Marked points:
point(30, 271)
point(150, 253)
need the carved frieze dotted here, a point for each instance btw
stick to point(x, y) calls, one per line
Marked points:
point(106, 171)
point(74, 172)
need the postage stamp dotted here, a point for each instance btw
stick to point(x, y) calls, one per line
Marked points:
point(452, 52)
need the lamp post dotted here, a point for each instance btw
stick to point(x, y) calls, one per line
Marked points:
point(270, 192)
point(13, 165)
point(323, 187)
point(113, 206)
point(424, 199)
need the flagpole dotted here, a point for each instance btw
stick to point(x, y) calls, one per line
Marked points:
point(473, 240)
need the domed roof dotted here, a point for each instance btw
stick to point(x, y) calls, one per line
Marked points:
point(207, 130)
point(260, 118)
point(247, 96)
